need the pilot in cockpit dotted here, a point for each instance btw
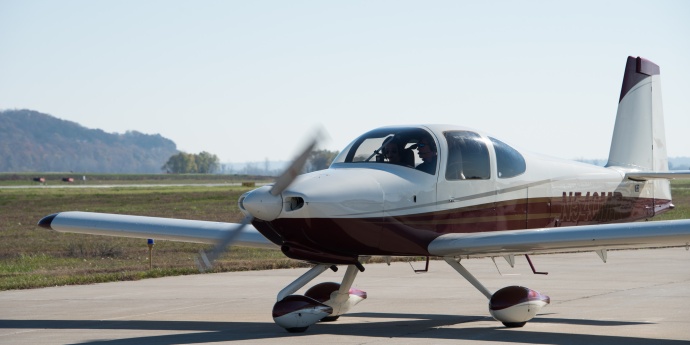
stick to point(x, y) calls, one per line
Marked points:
point(395, 153)
point(392, 152)
point(427, 152)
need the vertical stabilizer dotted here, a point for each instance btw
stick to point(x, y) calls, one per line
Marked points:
point(639, 139)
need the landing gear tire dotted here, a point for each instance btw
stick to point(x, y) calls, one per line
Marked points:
point(330, 318)
point(297, 329)
point(514, 324)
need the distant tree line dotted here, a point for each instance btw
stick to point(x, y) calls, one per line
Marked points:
point(320, 159)
point(190, 163)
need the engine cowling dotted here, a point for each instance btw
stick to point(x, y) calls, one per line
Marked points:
point(515, 305)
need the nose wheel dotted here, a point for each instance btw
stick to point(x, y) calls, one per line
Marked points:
point(296, 313)
point(323, 302)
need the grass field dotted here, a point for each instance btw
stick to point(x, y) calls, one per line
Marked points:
point(33, 257)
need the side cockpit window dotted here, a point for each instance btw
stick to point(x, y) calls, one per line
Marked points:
point(509, 162)
point(468, 156)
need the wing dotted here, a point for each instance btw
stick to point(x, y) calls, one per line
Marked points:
point(564, 239)
point(152, 227)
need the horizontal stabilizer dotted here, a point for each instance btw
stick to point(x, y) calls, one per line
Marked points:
point(652, 175)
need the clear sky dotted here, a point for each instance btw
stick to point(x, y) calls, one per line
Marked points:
point(248, 80)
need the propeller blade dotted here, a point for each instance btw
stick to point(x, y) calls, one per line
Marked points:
point(208, 260)
point(295, 168)
point(282, 182)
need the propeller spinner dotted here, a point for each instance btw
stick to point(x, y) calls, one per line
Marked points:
point(264, 203)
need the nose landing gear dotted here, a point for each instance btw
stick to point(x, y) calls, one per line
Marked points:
point(322, 302)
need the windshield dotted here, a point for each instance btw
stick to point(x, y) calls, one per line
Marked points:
point(392, 145)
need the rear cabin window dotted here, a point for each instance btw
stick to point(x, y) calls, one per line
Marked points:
point(509, 162)
point(468, 156)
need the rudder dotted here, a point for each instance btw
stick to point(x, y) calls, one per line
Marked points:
point(639, 139)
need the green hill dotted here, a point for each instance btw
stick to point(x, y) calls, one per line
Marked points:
point(32, 141)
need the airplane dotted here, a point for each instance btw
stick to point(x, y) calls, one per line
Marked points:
point(476, 196)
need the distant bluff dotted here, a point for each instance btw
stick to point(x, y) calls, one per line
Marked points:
point(34, 142)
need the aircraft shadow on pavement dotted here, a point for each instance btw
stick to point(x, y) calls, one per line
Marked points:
point(402, 326)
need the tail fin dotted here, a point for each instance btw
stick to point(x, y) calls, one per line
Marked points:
point(639, 139)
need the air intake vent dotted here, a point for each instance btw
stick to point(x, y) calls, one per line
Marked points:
point(294, 203)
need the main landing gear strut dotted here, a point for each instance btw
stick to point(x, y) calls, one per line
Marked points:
point(322, 302)
point(511, 305)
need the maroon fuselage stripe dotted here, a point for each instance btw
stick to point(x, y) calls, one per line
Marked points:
point(341, 240)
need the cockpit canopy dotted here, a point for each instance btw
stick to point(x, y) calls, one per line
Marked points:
point(394, 145)
point(465, 152)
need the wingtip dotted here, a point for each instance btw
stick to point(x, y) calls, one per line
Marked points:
point(46, 221)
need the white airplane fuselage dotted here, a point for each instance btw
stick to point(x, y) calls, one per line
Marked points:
point(377, 208)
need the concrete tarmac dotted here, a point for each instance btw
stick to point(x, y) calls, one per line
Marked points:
point(638, 297)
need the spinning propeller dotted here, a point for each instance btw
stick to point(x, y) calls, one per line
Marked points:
point(281, 183)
